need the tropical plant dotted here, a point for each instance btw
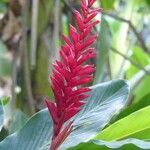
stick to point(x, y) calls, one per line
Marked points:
point(81, 116)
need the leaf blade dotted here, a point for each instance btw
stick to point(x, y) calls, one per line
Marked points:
point(104, 102)
point(36, 134)
point(134, 123)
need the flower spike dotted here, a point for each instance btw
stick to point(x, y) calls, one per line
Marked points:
point(70, 73)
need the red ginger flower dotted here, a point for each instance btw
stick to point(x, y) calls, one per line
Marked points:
point(70, 73)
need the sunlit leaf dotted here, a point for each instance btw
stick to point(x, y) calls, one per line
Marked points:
point(135, 123)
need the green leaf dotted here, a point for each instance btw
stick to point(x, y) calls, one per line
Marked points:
point(4, 100)
point(107, 4)
point(119, 37)
point(142, 89)
point(148, 2)
point(135, 123)
point(3, 134)
point(139, 83)
point(45, 9)
point(105, 100)
point(19, 120)
point(128, 144)
point(89, 146)
point(139, 57)
point(143, 135)
point(33, 136)
point(103, 46)
point(1, 115)
point(145, 101)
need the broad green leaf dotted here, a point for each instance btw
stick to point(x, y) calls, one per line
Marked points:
point(133, 124)
point(19, 120)
point(33, 136)
point(143, 135)
point(105, 100)
point(103, 46)
point(128, 144)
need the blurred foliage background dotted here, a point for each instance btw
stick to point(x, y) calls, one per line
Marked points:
point(30, 41)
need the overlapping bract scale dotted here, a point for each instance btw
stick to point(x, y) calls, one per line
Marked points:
point(71, 72)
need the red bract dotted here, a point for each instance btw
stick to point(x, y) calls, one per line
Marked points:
point(70, 73)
